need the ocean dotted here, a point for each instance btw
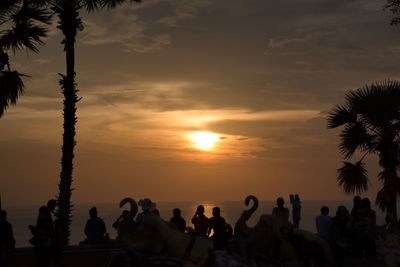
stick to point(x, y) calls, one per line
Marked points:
point(22, 216)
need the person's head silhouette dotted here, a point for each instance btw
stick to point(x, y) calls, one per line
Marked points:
point(366, 204)
point(176, 212)
point(51, 205)
point(324, 210)
point(216, 212)
point(43, 211)
point(280, 202)
point(200, 210)
point(357, 201)
point(342, 211)
point(93, 212)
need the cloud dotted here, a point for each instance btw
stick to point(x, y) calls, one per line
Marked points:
point(300, 36)
point(42, 61)
point(140, 28)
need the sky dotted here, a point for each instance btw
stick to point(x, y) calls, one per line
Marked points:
point(261, 75)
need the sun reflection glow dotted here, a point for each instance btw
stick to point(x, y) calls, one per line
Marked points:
point(204, 140)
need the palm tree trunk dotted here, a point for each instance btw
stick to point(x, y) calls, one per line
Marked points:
point(391, 181)
point(70, 98)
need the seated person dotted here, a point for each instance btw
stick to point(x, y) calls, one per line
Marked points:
point(200, 222)
point(178, 220)
point(218, 225)
point(148, 209)
point(44, 229)
point(281, 211)
point(94, 229)
point(323, 222)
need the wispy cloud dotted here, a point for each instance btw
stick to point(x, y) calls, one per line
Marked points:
point(300, 36)
point(137, 29)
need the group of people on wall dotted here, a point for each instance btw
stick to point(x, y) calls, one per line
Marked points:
point(347, 232)
point(44, 232)
point(351, 233)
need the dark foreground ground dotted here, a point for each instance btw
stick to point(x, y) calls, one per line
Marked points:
point(77, 256)
point(74, 256)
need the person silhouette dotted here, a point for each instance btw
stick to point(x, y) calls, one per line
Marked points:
point(367, 216)
point(7, 241)
point(42, 240)
point(95, 228)
point(281, 211)
point(148, 209)
point(338, 233)
point(218, 225)
point(178, 220)
point(357, 200)
point(296, 210)
point(323, 222)
point(200, 222)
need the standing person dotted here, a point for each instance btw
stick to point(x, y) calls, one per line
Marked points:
point(51, 206)
point(42, 239)
point(356, 206)
point(7, 241)
point(296, 209)
point(281, 211)
point(178, 220)
point(95, 228)
point(338, 233)
point(200, 222)
point(148, 209)
point(218, 225)
point(323, 222)
point(367, 216)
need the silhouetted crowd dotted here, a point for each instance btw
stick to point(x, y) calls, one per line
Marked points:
point(349, 234)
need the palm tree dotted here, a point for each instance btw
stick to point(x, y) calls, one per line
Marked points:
point(25, 23)
point(70, 23)
point(371, 120)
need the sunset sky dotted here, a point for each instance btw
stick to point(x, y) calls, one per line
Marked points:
point(261, 75)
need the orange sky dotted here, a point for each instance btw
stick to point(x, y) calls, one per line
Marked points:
point(260, 74)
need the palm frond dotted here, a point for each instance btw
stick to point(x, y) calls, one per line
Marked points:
point(111, 4)
point(92, 5)
point(28, 12)
point(339, 116)
point(4, 60)
point(39, 3)
point(378, 103)
point(387, 194)
point(353, 137)
point(353, 177)
point(7, 8)
point(11, 87)
point(23, 35)
point(388, 176)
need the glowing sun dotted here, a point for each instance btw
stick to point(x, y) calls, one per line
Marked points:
point(204, 140)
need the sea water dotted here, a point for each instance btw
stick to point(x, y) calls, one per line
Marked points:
point(22, 216)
